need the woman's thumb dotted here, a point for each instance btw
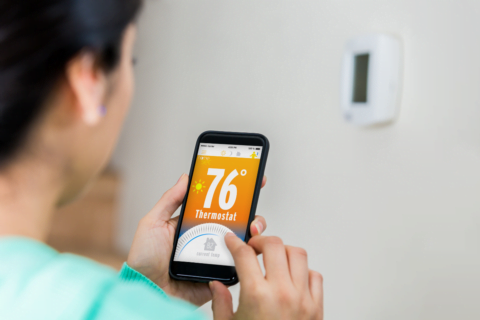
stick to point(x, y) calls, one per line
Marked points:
point(221, 302)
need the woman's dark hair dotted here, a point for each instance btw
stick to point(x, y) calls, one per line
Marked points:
point(37, 39)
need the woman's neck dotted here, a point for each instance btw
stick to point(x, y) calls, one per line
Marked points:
point(29, 192)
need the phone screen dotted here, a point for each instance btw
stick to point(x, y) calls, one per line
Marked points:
point(219, 200)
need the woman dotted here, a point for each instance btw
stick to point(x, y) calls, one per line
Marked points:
point(66, 83)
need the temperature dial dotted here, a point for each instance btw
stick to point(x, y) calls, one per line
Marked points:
point(204, 244)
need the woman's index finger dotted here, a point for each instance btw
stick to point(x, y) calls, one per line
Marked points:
point(246, 263)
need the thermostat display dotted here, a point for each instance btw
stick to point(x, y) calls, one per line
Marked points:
point(360, 78)
point(219, 201)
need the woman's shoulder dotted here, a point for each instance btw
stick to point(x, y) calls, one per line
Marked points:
point(37, 282)
point(28, 259)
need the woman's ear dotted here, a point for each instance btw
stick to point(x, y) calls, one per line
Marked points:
point(89, 86)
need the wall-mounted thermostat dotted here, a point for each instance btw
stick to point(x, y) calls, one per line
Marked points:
point(371, 79)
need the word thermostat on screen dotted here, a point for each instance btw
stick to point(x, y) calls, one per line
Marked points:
point(219, 201)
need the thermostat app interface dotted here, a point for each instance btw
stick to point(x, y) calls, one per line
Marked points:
point(219, 201)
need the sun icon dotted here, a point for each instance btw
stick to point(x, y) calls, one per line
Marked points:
point(198, 186)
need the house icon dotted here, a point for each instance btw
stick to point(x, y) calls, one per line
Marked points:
point(210, 245)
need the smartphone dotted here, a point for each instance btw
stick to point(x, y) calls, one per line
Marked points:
point(223, 189)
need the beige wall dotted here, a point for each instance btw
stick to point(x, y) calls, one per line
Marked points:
point(390, 215)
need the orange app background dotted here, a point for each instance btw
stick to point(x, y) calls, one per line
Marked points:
point(245, 189)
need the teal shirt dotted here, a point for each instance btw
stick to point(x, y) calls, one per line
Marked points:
point(37, 282)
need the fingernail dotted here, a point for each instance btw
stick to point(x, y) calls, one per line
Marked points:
point(210, 284)
point(230, 234)
point(259, 226)
point(181, 177)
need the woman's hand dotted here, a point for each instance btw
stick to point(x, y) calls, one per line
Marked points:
point(288, 291)
point(153, 244)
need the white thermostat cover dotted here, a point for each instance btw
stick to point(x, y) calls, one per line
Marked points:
point(371, 79)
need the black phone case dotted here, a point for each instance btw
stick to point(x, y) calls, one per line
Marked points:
point(256, 195)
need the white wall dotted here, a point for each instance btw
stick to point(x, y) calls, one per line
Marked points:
point(391, 215)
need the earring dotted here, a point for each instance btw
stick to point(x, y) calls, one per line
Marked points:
point(102, 110)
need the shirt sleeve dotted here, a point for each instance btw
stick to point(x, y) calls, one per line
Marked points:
point(134, 296)
point(130, 275)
